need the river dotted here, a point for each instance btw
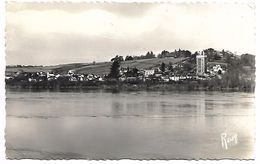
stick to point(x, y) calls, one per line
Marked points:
point(98, 124)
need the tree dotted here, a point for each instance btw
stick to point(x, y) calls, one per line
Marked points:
point(248, 60)
point(118, 58)
point(212, 55)
point(170, 67)
point(114, 70)
point(187, 66)
point(149, 55)
point(186, 53)
point(163, 54)
point(135, 72)
point(129, 58)
point(162, 68)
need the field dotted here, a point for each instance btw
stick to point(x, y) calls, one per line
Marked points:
point(100, 68)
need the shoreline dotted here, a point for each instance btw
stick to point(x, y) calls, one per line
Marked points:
point(137, 87)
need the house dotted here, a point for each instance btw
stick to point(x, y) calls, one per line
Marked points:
point(100, 79)
point(124, 70)
point(131, 79)
point(122, 78)
point(71, 72)
point(218, 69)
point(165, 79)
point(174, 78)
point(51, 76)
point(41, 74)
point(57, 76)
point(9, 78)
point(81, 77)
point(73, 78)
point(157, 74)
point(89, 77)
point(31, 79)
point(147, 73)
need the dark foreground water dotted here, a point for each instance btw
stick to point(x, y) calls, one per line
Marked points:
point(134, 125)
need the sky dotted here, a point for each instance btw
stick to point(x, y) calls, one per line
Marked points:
point(57, 33)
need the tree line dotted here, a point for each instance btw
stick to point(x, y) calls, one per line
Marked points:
point(151, 55)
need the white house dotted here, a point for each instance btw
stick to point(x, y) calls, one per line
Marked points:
point(217, 69)
point(148, 72)
point(81, 77)
point(51, 76)
point(71, 72)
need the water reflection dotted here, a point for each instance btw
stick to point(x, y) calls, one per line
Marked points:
point(200, 109)
point(137, 125)
point(150, 106)
point(117, 108)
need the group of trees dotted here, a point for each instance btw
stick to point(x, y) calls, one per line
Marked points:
point(237, 69)
point(212, 55)
point(177, 54)
point(132, 72)
point(248, 60)
point(150, 55)
point(129, 58)
point(118, 58)
point(163, 67)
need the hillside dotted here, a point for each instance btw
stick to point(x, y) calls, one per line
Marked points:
point(100, 68)
point(61, 68)
point(104, 67)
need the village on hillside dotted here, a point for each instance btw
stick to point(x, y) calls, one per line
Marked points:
point(209, 69)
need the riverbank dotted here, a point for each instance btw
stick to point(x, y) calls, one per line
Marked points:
point(139, 87)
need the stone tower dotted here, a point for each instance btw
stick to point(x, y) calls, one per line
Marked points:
point(201, 64)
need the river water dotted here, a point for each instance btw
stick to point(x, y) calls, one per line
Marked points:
point(98, 124)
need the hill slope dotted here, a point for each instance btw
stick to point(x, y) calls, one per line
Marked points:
point(104, 67)
point(100, 68)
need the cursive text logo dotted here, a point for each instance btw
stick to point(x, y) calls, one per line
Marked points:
point(228, 140)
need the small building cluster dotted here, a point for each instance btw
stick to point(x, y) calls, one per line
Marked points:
point(50, 76)
point(176, 72)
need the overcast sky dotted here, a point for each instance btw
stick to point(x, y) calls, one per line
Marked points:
point(55, 33)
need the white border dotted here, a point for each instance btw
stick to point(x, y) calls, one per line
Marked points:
point(2, 84)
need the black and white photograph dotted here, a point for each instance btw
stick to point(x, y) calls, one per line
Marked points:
point(138, 81)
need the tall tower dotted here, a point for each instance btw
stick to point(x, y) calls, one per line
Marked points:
point(200, 63)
